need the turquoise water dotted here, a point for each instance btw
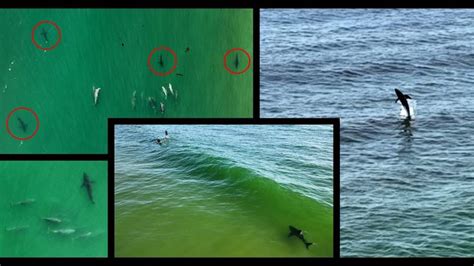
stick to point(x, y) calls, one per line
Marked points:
point(109, 49)
point(407, 187)
point(226, 190)
point(54, 191)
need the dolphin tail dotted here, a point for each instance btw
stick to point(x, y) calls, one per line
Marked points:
point(308, 244)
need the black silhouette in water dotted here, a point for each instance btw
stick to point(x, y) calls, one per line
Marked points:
point(179, 74)
point(23, 125)
point(236, 61)
point(23, 202)
point(299, 234)
point(187, 50)
point(162, 64)
point(44, 33)
point(87, 183)
point(403, 100)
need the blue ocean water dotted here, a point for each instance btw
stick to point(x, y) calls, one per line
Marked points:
point(407, 187)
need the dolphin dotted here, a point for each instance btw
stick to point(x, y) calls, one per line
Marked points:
point(236, 62)
point(87, 183)
point(17, 228)
point(403, 100)
point(52, 220)
point(161, 61)
point(162, 107)
point(85, 235)
point(23, 125)
point(164, 91)
point(23, 202)
point(299, 234)
point(171, 88)
point(96, 92)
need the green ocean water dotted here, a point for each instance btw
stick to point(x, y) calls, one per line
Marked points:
point(55, 188)
point(108, 49)
point(223, 191)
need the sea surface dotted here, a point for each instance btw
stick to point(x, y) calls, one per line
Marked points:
point(33, 190)
point(109, 49)
point(223, 190)
point(407, 187)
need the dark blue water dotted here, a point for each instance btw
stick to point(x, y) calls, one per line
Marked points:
point(407, 187)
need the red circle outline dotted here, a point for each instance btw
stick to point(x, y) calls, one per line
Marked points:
point(26, 109)
point(230, 70)
point(36, 27)
point(175, 61)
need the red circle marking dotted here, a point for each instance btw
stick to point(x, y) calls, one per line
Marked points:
point(175, 61)
point(26, 109)
point(227, 67)
point(36, 27)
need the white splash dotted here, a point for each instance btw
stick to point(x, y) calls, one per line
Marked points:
point(412, 105)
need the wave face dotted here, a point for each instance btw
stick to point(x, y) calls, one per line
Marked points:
point(406, 188)
point(223, 190)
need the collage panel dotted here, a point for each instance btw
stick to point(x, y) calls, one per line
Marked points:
point(53, 209)
point(401, 82)
point(64, 72)
point(224, 190)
